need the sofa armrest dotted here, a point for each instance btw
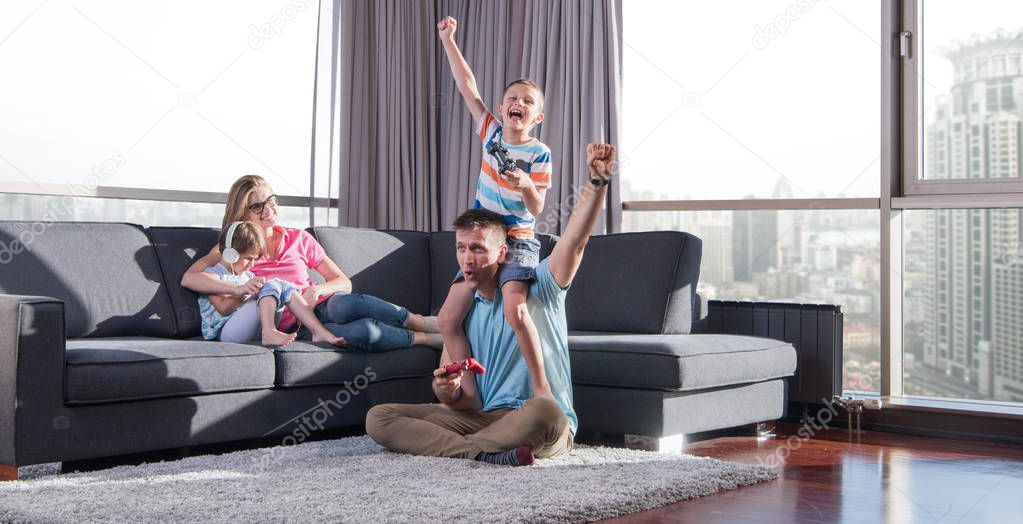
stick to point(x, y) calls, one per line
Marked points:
point(31, 374)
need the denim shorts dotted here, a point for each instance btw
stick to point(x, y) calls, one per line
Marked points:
point(520, 262)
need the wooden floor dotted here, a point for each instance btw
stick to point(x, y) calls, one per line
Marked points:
point(877, 477)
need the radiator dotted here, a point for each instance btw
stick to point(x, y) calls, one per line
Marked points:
point(815, 330)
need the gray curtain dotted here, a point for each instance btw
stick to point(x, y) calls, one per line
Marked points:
point(407, 157)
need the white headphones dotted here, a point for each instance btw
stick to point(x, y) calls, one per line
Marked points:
point(230, 254)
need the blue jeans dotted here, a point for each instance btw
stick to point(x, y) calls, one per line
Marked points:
point(367, 323)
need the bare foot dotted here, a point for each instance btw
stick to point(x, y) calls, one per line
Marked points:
point(330, 339)
point(274, 337)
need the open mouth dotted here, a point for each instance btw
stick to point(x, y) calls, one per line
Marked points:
point(515, 114)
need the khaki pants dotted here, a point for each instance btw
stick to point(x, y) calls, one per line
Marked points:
point(435, 430)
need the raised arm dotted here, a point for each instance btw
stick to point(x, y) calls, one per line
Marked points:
point(568, 252)
point(460, 70)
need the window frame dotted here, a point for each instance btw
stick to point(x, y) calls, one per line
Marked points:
point(910, 15)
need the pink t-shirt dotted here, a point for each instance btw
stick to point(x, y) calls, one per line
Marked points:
point(297, 252)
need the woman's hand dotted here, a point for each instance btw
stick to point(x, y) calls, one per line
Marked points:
point(312, 294)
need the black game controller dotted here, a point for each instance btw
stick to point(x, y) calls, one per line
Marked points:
point(501, 153)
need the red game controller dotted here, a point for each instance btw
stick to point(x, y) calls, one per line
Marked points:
point(470, 364)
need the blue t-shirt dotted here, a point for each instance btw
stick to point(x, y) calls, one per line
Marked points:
point(506, 382)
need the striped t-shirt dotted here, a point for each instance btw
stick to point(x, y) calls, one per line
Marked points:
point(496, 194)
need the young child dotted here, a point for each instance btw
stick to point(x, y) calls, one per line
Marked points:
point(517, 195)
point(241, 244)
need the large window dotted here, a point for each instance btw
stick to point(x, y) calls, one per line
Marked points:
point(785, 104)
point(167, 96)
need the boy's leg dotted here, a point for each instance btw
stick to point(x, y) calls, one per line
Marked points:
point(271, 299)
point(303, 311)
point(515, 293)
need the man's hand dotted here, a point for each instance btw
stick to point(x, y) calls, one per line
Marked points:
point(446, 28)
point(447, 387)
point(249, 288)
point(518, 179)
point(600, 158)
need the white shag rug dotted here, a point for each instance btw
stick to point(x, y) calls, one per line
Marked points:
point(355, 480)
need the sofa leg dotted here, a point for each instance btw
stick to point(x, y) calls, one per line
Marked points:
point(668, 444)
point(764, 430)
point(8, 472)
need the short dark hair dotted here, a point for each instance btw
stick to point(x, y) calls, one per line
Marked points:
point(473, 219)
point(247, 237)
point(528, 83)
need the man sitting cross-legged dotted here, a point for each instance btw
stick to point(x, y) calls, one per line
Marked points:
point(493, 417)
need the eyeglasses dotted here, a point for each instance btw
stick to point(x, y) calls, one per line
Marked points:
point(257, 208)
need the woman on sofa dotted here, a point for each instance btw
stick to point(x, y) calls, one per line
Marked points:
point(365, 322)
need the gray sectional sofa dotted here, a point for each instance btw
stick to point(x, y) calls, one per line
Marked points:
point(100, 352)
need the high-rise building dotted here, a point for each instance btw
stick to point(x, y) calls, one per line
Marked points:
point(974, 293)
point(790, 228)
point(754, 243)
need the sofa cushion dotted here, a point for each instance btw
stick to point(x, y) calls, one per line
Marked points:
point(676, 362)
point(177, 248)
point(106, 274)
point(124, 369)
point(305, 364)
point(636, 283)
point(444, 265)
point(392, 265)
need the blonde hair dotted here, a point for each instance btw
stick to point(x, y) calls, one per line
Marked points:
point(238, 198)
point(247, 237)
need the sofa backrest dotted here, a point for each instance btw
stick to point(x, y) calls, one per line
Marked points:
point(392, 265)
point(177, 248)
point(445, 265)
point(107, 274)
point(637, 283)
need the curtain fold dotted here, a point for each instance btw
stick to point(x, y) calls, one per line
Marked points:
point(406, 154)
